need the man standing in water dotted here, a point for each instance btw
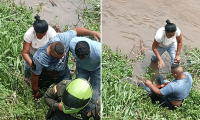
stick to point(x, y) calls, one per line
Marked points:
point(172, 93)
point(51, 60)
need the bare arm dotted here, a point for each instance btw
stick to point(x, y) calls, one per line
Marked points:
point(153, 88)
point(179, 46)
point(155, 50)
point(25, 52)
point(86, 32)
point(34, 82)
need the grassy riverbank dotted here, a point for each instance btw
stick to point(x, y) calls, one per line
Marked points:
point(125, 101)
point(15, 96)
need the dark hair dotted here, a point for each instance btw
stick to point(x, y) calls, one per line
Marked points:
point(170, 27)
point(59, 47)
point(82, 49)
point(40, 26)
point(174, 66)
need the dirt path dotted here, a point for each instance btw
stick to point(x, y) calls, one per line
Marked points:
point(125, 23)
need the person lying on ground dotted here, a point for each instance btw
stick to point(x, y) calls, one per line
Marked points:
point(88, 60)
point(167, 38)
point(35, 37)
point(172, 93)
point(51, 60)
point(72, 100)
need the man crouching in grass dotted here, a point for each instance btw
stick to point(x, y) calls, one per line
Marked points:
point(172, 93)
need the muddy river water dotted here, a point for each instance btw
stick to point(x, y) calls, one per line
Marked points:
point(56, 12)
point(127, 22)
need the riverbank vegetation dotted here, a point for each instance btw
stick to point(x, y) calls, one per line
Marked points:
point(123, 100)
point(15, 94)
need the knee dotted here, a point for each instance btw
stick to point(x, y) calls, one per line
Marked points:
point(159, 79)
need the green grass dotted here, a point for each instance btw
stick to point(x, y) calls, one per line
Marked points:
point(15, 95)
point(125, 101)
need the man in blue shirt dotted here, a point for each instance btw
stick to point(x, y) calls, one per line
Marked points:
point(51, 60)
point(172, 93)
point(88, 61)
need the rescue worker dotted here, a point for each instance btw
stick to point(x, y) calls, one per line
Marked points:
point(72, 100)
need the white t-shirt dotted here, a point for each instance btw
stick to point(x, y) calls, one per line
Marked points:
point(30, 37)
point(165, 42)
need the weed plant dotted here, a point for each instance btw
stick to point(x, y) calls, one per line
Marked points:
point(125, 101)
point(192, 64)
point(91, 15)
point(15, 96)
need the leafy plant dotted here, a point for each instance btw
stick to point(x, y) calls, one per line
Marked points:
point(125, 101)
point(16, 96)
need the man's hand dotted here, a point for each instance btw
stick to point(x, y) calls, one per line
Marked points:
point(96, 35)
point(177, 59)
point(161, 64)
point(36, 94)
point(161, 86)
point(60, 106)
point(147, 82)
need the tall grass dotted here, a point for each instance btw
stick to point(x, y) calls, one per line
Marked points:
point(125, 101)
point(15, 96)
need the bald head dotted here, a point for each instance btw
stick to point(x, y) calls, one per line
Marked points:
point(176, 69)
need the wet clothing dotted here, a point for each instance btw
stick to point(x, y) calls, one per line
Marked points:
point(165, 42)
point(173, 91)
point(171, 50)
point(27, 68)
point(91, 66)
point(178, 89)
point(53, 98)
point(50, 69)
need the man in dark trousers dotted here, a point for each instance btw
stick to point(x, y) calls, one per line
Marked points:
point(172, 93)
point(72, 100)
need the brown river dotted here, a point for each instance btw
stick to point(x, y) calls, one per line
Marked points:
point(127, 22)
point(56, 12)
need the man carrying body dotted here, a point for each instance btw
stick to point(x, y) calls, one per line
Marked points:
point(72, 100)
point(88, 58)
point(172, 93)
point(51, 60)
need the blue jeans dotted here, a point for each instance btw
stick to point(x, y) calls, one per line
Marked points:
point(162, 99)
point(27, 68)
point(160, 81)
point(95, 79)
point(171, 50)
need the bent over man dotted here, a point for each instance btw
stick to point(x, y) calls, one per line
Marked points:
point(51, 60)
point(88, 61)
